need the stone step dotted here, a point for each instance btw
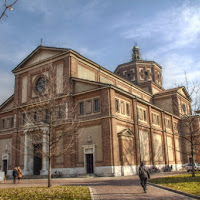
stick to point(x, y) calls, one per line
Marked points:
point(35, 177)
point(46, 176)
point(87, 176)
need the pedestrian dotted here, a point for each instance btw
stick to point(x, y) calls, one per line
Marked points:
point(143, 174)
point(15, 174)
point(19, 174)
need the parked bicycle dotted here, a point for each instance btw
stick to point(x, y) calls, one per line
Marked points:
point(167, 168)
point(154, 169)
point(57, 174)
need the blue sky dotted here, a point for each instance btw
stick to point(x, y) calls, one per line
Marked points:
point(104, 31)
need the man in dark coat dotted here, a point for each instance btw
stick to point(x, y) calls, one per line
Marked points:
point(15, 174)
point(143, 174)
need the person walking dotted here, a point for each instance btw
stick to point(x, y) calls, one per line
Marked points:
point(143, 174)
point(19, 174)
point(15, 174)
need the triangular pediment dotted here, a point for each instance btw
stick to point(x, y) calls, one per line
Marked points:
point(40, 54)
point(180, 90)
point(126, 132)
point(184, 93)
point(8, 104)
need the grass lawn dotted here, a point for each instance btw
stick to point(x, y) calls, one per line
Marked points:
point(185, 183)
point(44, 193)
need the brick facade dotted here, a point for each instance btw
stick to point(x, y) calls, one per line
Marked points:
point(122, 119)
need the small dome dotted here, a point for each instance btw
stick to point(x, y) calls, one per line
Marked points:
point(136, 47)
point(136, 52)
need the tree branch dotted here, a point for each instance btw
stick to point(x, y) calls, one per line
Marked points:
point(7, 6)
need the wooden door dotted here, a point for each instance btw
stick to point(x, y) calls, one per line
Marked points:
point(89, 161)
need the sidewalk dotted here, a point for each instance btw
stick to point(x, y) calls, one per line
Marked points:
point(108, 188)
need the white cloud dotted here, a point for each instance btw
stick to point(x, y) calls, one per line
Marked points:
point(178, 27)
point(173, 32)
point(174, 66)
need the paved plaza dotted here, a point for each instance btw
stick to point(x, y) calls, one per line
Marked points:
point(105, 188)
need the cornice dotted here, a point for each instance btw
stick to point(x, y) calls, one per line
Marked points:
point(138, 62)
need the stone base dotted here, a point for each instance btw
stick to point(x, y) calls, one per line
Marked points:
point(104, 171)
point(43, 172)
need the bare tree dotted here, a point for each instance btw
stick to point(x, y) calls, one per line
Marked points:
point(193, 88)
point(7, 6)
point(191, 137)
point(49, 120)
point(190, 121)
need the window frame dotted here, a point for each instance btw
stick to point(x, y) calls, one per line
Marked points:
point(81, 108)
point(11, 122)
point(128, 109)
point(128, 75)
point(167, 123)
point(142, 114)
point(23, 118)
point(122, 105)
point(152, 118)
point(3, 123)
point(94, 105)
point(35, 116)
point(59, 112)
point(155, 119)
point(158, 120)
point(117, 105)
point(46, 114)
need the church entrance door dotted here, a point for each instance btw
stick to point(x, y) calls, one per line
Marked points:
point(89, 161)
point(5, 166)
point(37, 158)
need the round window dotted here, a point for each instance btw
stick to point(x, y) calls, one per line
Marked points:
point(40, 85)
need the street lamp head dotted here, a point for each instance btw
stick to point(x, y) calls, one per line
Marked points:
point(10, 8)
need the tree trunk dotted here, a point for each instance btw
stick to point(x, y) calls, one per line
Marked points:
point(50, 159)
point(192, 149)
point(49, 173)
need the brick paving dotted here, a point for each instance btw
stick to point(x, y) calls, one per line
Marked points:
point(105, 188)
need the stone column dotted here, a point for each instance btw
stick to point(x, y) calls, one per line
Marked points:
point(26, 153)
point(44, 170)
point(15, 120)
point(44, 149)
point(137, 134)
point(66, 111)
point(151, 137)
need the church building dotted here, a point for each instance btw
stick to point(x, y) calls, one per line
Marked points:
point(109, 122)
